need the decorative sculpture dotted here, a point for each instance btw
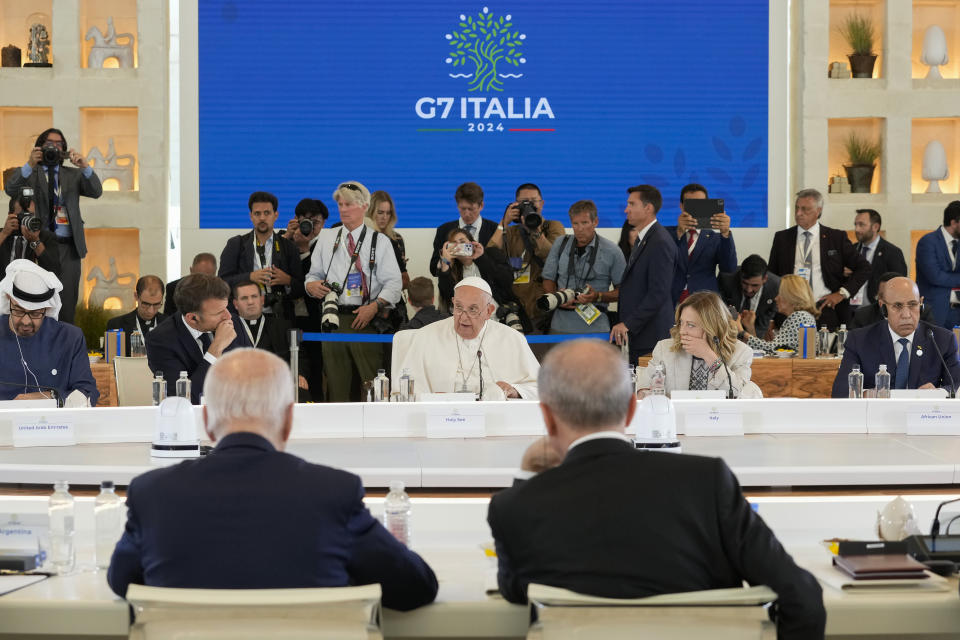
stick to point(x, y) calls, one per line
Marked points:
point(39, 46)
point(106, 46)
point(935, 165)
point(934, 50)
point(110, 286)
point(10, 56)
point(109, 167)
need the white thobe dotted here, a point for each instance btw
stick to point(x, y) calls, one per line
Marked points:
point(433, 361)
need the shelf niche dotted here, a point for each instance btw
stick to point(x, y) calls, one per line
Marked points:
point(946, 15)
point(947, 132)
point(837, 131)
point(16, 17)
point(19, 128)
point(94, 15)
point(839, 49)
point(100, 125)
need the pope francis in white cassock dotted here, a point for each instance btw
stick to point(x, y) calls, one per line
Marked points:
point(470, 353)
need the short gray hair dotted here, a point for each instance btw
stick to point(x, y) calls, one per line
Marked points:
point(586, 384)
point(810, 193)
point(248, 386)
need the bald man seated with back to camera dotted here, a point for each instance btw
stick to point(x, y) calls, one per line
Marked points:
point(249, 516)
point(604, 519)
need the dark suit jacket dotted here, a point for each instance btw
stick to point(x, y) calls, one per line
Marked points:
point(128, 322)
point(886, 257)
point(836, 252)
point(169, 306)
point(732, 293)
point(646, 290)
point(872, 346)
point(422, 318)
point(171, 349)
point(601, 524)
point(867, 314)
point(275, 337)
point(712, 252)
point(236, 263)
point(72, 186)
point(49, 259)
point(935, 276)
point(487, 229)
point(250, 517)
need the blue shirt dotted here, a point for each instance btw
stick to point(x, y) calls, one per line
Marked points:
point(607, 269)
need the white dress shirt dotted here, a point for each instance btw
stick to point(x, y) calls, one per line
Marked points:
point(476, 224)
point(816, 271)
point(643, 232)
point(209, 357)
point(897, 347)
point(385, 281)
point(949, 240)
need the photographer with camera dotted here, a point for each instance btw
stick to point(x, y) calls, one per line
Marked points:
point(586, 267)
point(526, 238)
point(23, 236)
point(469, 199)
point(264, 257)
point(354, 271)
point(57, 190)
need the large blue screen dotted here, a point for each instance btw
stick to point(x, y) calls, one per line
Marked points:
point(582, 98)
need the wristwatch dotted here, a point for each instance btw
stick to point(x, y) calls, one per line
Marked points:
point(34, 245)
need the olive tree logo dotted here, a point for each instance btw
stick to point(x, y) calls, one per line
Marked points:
point(486, 41)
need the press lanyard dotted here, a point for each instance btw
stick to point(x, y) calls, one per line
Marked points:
point(571, 267)
point(353, 258)
point(246, 326)
point(260, 256)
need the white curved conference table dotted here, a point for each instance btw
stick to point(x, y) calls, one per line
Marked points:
point(785, 442)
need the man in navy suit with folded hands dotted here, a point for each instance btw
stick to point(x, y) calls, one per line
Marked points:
point(249, 516)
point(906, 344)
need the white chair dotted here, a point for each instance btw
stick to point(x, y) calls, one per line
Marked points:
point(401, 344)
point(348, 613)
point(719, 614)
point(134, 382)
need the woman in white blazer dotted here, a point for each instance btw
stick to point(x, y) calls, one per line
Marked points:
point(691, 356)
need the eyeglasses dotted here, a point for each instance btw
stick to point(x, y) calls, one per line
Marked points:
point(913, 305)
point(350, 185)
point(151, 305)
point(34, 315)
point(473, 312)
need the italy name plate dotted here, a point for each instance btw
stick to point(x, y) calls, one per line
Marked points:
point(716, 422)
point(41, 433)
point(936, 421)
point(456, 422)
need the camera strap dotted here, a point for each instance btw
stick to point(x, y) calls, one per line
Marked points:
point(354, 255)
point(531, 250)
point(571, 266)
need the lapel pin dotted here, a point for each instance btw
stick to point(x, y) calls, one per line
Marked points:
point(919, 351)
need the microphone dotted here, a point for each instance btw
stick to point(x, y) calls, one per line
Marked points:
point(50, 390)
point(946, 369)
point(480, 371)
point(716, 342)
point(935, 527)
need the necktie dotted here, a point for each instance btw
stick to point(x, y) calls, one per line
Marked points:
point(19, 247)
point(807, 256)
point(52, 196)
point(205, 341)
point(698, 375)
point(690, 241)
point(864, 248)
point(351, 247)
point(953, 246)
point(903, 365)
point(470, 229)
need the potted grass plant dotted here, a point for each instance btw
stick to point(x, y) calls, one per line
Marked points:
point(862, 156)
point(860, 35)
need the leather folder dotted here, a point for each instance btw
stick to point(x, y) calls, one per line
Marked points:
point(880, 566)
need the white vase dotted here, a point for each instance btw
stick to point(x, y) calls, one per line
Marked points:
point(934, 50)
point(935, 165)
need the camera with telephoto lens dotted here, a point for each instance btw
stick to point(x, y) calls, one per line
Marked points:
point(330, 312)
point(509, 314)
point(529, 216)
point(463, 249)
point(52, 155)
point(550, 301)
point(27, 220)
point(306, 226)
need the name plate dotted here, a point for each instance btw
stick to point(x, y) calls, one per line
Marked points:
point(933, 422)
point(714, 423)
point(41, 433)
point(21, 532)
point(456, 423)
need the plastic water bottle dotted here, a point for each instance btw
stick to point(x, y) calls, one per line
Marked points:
point(855, 382)
point(381, 387)
point(658, 381)
point(183, 385)
point(406, 387)
point(109, 515)
point(841, 340)
point(823, 341)
point(882, 382)
point(159, 388)
point(396, 512)
point(60, 509)
point(138, 349)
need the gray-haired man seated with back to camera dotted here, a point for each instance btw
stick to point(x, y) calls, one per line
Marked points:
point(599, 521)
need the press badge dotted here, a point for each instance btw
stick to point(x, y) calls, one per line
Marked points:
point(354, 286)
point(522, 276)
point(587, 312)
point(803, 272)
point(60, 215)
